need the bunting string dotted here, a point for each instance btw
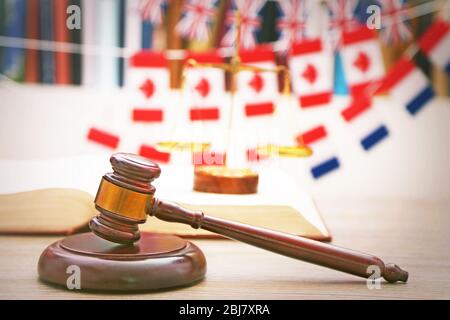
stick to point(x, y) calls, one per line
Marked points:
point(125, 52)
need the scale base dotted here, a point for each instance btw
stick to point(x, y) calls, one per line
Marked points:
point(220, 179)
point(156, 261)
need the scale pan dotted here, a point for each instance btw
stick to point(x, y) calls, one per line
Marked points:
point(285, 151)
point(167, 146)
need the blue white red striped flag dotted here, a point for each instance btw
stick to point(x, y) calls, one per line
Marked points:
point(435, 43)
point(408, 85)
point(323, 160)
point(362, 119)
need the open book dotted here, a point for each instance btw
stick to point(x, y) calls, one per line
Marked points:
point(56, 197)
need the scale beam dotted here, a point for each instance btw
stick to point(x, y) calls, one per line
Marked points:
point(233, 68)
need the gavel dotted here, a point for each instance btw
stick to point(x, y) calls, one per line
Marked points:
point(126, 197)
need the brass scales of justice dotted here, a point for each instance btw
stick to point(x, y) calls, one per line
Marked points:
point(115, 256)
point(226, 179)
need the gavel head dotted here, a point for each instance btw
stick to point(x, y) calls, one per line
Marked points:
point(123, 198)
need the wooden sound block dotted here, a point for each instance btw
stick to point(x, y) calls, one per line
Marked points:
point(217, 179)
point(156, 261)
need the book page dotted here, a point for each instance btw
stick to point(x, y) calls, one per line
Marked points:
point(275, 188)
point(279, 201)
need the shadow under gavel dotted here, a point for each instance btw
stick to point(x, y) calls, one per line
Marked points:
point(125, 197)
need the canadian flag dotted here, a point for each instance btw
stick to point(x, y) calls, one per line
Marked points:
point(323, 160)
point(311, 69)
point(435, 43)
point(207, 103)
point(362, 59)
point(205, 87)
point(148, 80)
point(408, 85)
point(148, 87)
point(258, 89)
point(255, 100)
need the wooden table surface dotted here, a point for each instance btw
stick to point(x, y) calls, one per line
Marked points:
point(413, 234)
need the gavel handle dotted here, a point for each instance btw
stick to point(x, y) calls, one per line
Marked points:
point(342, 259)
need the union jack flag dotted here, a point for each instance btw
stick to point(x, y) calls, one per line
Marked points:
point(197, 16)
point(249, 23)
point(151, 10)
point(394, 16)
point(342, 19)
point(293, 22)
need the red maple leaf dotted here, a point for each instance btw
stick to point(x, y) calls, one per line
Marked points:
point(362, 62)
point(257, 82)
point(310, 73)
point(202, 87)
point(147, 88)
